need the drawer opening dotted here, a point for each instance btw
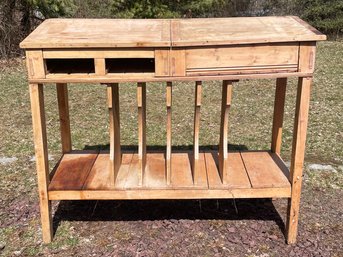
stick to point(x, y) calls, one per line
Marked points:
point(70, 66)
point(130, 65)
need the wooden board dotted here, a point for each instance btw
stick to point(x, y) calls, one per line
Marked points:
point(242, 30)
point(237, 175)
point(71, 33)
point(91, 33)
point(262, 172)
point(73, 170)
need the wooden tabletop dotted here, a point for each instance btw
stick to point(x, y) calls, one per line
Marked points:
point(90, 33)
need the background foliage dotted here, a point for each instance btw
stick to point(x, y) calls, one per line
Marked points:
point(19, 17)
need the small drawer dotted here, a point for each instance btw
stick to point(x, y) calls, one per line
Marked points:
point(261, 58)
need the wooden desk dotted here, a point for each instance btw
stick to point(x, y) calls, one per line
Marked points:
point(104, 51)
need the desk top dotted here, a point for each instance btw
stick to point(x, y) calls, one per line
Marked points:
point(95, 33)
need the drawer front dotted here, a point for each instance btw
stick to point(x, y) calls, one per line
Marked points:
point(260, 58)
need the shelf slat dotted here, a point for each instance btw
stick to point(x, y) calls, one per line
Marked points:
point(237, 175)
point(262, 171)
point(73, 170)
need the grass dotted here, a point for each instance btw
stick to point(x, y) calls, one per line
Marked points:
point(250, 125)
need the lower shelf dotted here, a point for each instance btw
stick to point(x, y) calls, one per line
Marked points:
point(88, 175)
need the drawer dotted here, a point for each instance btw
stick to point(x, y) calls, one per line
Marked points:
point(261, 58)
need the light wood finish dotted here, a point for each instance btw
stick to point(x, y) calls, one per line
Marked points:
point(197, 105)
point(307, 53)
point(141, 100)
point(223, 143)
point(100, 53)
point(101, 173)
point(100, 66)
point(155, 194)
point(35, 65)
point(298, 153)
point(169, 131)
point(162, 63)
point(110, 51)
point(149, 77)
point(279, 106)
point(75, 33)
point(73, 170)
point(238, 175)
point(228, 31)
point(262, 172)
point(178, 62)
point(242, 59)
point(113, 108)
point(63, 109)
point(42, 163)
point(92, 171)
point(280, 69)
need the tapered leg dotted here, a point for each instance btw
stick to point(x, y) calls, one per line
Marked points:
point(113, 108)
point(298, 151)
point(223, 149)
point(279, 106)
point(63, 109)
point(41, 151)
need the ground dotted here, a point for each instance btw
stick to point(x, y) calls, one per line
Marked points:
point(175, 228)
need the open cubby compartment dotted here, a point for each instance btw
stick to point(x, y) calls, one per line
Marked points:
point(70, 66)
point(130, 65)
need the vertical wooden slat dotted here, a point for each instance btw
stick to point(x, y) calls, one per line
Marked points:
point(279, 106)
point(223, 149)
point(141, 100)
point(42, 164)
point(100, 66)
point(298, 152)
point(63, 109)
point(169, 132)
point(197, 105)
point(113, 108)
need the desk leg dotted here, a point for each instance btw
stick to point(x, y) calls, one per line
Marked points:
point(279, 106)
point(298, 152)
point(63, 109)
point(42, 164)
point(223, 149)
point(113, 108)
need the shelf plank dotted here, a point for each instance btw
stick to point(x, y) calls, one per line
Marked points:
point(200, 177)
point(237, 175)
point(123, 173)
point(89, 171)
point(263, 171)
point(101, 174)
point(155, 175)
point(181, 175)
point(73, 170)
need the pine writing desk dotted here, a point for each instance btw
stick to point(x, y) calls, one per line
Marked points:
point(105, 51)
